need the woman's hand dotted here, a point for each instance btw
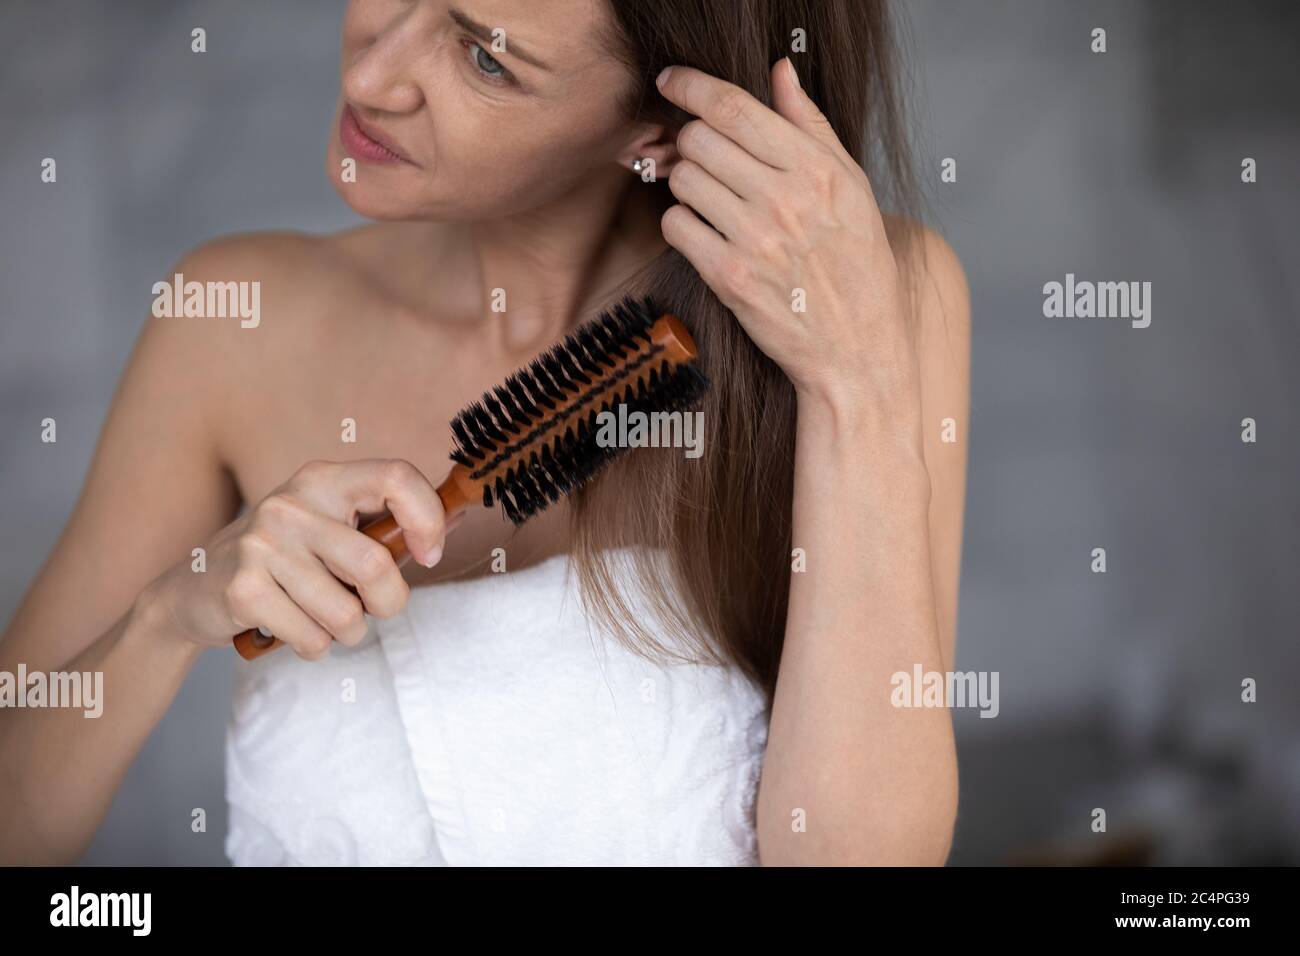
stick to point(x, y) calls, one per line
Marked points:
point(279, 566)
point(792, 223)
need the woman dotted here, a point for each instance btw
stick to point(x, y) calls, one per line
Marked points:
point(756, 601)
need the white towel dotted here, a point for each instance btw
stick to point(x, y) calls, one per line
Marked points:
point(493, 725)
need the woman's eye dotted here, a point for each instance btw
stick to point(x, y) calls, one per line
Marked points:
point(486, 64)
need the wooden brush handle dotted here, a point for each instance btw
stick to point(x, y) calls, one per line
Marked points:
point(457, 493)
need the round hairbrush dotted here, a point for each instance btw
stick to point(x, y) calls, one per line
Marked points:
point(533, 439)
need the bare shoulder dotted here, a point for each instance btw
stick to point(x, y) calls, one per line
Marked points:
point(274, 272)
point(938, 300)
point(235, 323)
point(247, 300)
point(934, 274)
point(278, 248)
point(286, 252)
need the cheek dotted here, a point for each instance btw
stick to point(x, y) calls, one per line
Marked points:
point(513, 158)
point(519, 149)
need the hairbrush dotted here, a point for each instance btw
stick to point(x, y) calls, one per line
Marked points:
point(532, 440)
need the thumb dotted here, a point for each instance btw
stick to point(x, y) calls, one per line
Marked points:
point(790, 101)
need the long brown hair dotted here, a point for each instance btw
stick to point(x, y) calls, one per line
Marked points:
point(724, 519)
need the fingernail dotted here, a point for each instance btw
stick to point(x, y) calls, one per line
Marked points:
point(662, 78)
point(793, 72)
point(433, 557)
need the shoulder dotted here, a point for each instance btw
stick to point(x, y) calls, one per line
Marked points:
point(285, 251)
point(247, 293)
point(227, 322)
point(243, 249)
point(937, 298)
point(283, 264)
point(933, 275)
point(210, 307)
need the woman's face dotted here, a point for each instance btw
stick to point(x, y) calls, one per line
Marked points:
point(486, 107)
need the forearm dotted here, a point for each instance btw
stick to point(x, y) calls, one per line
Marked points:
point(876, 783)
point(60, 769)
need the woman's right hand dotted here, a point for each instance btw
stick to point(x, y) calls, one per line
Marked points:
point(279, 565)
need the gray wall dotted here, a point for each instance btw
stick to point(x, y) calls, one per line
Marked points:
point(1118, 690)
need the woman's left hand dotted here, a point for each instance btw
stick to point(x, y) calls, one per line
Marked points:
point(792, 224)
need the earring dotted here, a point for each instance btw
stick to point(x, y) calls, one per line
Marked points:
point(638, 166)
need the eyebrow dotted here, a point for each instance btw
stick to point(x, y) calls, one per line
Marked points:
point(485, 34)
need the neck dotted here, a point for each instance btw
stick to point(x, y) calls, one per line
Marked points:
point(552, 267)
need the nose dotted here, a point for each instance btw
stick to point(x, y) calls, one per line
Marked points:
point(380, 75)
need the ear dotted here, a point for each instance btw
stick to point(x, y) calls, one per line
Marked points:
point(656, 142)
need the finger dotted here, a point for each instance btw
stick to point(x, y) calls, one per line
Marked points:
point(343, 553)
point(791, 102)
point(743, 174)
point(691, 184)
point(321, 596)
point(259, 601)
point(733, 112)
point(701, 244)
point(413, 500)
point(385, 483)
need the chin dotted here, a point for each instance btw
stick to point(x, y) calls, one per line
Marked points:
point(377, 192)
point(372, 204)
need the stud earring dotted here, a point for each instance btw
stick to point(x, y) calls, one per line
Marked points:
point(638, 166)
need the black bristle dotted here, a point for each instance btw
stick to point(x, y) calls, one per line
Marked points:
point(483, 418)
point(513, 413)
point(519, 389)
point(465, 444)
point(499, 415)
point(551, 370)
point(550, 387)
point(568, 359)
point(529, 383)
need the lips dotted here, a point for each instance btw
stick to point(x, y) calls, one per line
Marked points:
point(365, 141)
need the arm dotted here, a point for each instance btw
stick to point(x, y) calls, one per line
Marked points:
point(877, 496)
point(154, 490)
point(878, 511)
point(58, 769)
point(158, 488)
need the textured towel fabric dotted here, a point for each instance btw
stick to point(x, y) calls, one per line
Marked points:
point(491, 724)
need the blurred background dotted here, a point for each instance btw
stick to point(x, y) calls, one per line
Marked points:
point(1119, 690)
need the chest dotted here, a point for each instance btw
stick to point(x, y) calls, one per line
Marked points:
point(356, 403)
